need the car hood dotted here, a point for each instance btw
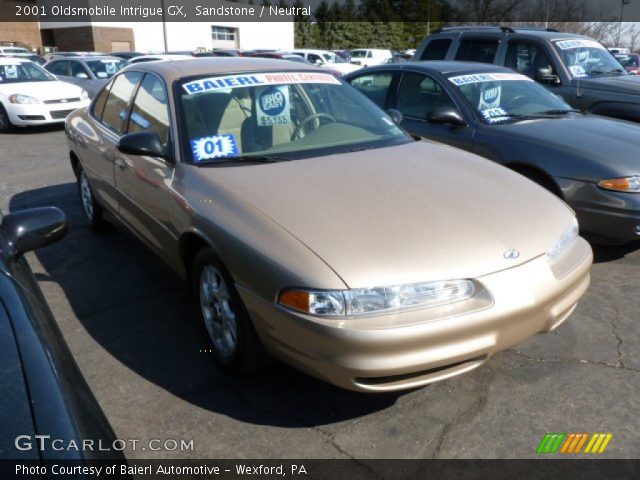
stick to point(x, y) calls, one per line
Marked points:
point(42, 90)
point(416, 212)
point(629, 84)
point(608, 143)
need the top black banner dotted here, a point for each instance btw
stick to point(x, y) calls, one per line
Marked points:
point(431, 11)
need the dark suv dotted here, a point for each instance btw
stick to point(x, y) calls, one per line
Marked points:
point(578, 68)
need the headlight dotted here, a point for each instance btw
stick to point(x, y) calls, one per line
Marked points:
point(364, 301)
point(626, 184)
point(84, 95)
point(22, 99)
point(566, 239)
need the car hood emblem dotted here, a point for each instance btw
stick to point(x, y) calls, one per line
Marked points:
point(511, 254)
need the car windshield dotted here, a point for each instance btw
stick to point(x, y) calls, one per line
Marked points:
point(507, 97)
point(588, 58)
point(106, 68)
point(628, 60)
point(24, 72)
point(279, 116)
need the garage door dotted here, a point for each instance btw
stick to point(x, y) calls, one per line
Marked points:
point(120, 46)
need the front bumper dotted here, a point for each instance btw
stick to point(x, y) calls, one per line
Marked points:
point(42, 114)
point(415, 348)
point(604, 213)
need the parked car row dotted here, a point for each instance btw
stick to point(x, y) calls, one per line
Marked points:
point(311, 222)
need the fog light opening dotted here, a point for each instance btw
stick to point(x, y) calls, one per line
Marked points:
point(637, 230)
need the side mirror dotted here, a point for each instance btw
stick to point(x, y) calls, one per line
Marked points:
point(318, 62)
point(395, 115)
point(144, 144)
point(545, 75)
point(81, 75)
point(30, 229)
point(446, 116)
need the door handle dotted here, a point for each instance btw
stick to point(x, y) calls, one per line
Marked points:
point(120, 165)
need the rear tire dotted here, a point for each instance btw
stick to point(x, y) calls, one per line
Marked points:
point(5, 124)
point(91, 211)
point(230, 334)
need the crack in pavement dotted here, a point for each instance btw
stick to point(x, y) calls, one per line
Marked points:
point(618, 366)
point(464, 416)
point(296, 419)
point(616, 333)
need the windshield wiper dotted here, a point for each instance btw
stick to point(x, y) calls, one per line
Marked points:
point(243, 159)
point(558, 111)
point(598, 73)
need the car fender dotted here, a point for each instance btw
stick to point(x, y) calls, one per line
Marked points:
point(622, 110)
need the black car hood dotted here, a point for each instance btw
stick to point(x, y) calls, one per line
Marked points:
point(606, 142)
point(628, 84)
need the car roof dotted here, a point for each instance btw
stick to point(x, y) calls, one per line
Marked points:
point(535, 32)
point(173, 70)
point(13, 60)
point(444, 67)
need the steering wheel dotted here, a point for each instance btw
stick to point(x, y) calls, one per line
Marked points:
point(517, 100)
point(304, 121)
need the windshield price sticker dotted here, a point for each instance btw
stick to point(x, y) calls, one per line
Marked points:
point(11, 71)
point(273, 105)
point(258, 79)
point(494, 114)
point(571, 44)
point(111, 68)
point(578, 71)
point(487, 77)
point(216, 146)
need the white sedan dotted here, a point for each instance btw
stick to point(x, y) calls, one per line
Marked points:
point(29, 95)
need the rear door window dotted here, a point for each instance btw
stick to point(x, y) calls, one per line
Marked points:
point(117, 104)
point(477, 50)
point(436, 49)
point(375, 86)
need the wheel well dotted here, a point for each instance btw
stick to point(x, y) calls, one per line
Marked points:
point(190, 245)
point(535, 174)
point(75, 162)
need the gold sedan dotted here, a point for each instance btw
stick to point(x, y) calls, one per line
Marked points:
point(310, 224)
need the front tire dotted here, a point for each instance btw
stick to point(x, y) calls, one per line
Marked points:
point(5, 123)
point(231, 336)
point(91, 211)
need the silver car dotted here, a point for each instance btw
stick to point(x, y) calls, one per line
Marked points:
point(90, 72)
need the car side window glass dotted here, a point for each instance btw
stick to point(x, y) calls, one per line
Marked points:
point(77, 68)
point(115, 109)
point(101, 99)
point(419, 94)
point(375, 86)
point(313, 58)
point(59, 68)
point(150, 111)
point(483, 51)
point(527, 58)
point(436, 49)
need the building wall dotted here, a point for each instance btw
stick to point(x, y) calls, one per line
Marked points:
point(148, 36)
point(87, 38)
point(27, 33)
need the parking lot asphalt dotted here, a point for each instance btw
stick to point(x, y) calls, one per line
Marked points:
point(128, 322)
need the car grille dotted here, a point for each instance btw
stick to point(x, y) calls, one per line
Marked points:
point(31, 117)
point(62, 100)
point(60, 113)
